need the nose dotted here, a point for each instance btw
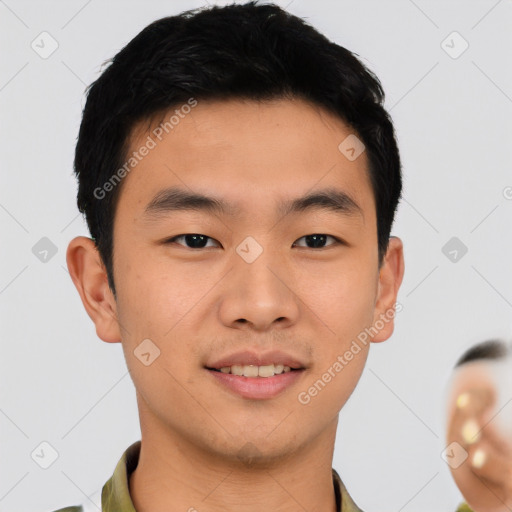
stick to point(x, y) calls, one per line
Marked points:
point(258, 295)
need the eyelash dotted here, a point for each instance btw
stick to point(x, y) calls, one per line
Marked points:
point(337, 241)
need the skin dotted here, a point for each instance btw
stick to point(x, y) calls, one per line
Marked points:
point(201, 304)
point(487, 488)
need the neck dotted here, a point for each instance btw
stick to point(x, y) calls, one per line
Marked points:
point(175, 474)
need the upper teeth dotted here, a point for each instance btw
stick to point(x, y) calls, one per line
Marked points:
point(250, 370)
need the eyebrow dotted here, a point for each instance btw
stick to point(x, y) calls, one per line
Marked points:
point(175, 199)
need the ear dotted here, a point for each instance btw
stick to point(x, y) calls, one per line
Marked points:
point(90, 278)
point(390, 279)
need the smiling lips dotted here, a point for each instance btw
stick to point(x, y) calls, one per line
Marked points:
point(251, 370)
point(257, 376)
point(257, 388)
point(251, 358)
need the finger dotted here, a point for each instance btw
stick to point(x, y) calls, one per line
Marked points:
point(490, 464)
point(469, 407)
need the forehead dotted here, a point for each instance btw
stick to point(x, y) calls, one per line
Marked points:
point(246, 151)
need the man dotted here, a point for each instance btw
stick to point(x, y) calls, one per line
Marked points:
point(479, 427)
point(239, 177)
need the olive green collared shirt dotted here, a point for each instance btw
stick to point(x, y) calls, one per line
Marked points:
point(115, 495)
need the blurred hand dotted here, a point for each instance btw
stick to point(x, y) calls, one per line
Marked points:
point(485, 477)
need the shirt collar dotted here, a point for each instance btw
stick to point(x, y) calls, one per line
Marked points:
point(115, 495)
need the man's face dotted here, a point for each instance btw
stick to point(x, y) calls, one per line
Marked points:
point(201, 299)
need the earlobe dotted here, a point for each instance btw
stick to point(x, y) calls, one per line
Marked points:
point(90, 279)
point(390, 279)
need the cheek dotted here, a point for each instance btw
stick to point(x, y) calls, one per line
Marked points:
point(153, 297)
point(331, 383)
point(157, 304)
point(342, 301)
point(342, 294)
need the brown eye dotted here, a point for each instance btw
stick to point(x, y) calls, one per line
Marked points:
point(192, 240)
point(317, 241)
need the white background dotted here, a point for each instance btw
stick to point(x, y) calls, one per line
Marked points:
point(62, 384)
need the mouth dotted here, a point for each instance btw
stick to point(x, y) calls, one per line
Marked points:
point(253, 382)
point(256, 375)
point(255, 371)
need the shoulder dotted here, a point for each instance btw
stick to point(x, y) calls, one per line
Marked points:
point(464, 507)
point(91, 504)
point(75, 508)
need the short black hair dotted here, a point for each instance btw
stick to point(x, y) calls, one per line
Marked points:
point(239, 51)
point(489, 350)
